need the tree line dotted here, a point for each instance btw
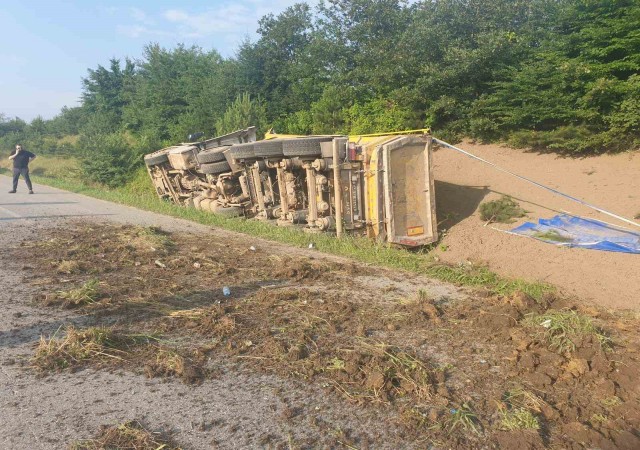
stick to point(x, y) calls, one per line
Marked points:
point(550, 74)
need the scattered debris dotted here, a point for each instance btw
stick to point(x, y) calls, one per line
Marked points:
point(129, 435)
point(439, 365)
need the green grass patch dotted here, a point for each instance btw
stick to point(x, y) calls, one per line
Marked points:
point(140, 194)
point(518, 419)
point(86, 294)
point(480, 276)
point(565, 330)
point(504, 210)
point(463, 418)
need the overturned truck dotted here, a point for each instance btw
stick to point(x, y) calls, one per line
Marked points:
point(380, 185)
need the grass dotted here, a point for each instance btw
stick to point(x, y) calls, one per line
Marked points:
point(464, 418)
point(564, 330)
point(139, 193)
point(481, 276)
point(78, 346)
point(503, 210)
point(519, 398)
point(49, 167)
point(169, 361)
point(129, 435)
point(69, 267)
point(611, 402)
point(86, 294)
point(518, 419)
point(552, 236)
point(153, 238)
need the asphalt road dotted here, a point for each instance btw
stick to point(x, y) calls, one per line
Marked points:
point(49, 204)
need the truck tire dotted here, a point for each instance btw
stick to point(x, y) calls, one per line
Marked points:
point(212, 156)
point(229, 211)
point(268, 149)
point(241, 151)
point(156, 158)
point(215, 168)
point(205, 204)
point(304, 147)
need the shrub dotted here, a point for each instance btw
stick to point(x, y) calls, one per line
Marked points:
point(108, 159)
point(503, 210)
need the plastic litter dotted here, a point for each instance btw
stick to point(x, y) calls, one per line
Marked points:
point(572, 231)
point(252, 248)
point(226, 291)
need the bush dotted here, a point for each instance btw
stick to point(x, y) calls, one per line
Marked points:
point(108, 159)
point(380, 115)
point(243, 113)
point(503, 210)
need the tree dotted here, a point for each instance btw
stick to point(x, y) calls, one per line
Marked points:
point(243, 113)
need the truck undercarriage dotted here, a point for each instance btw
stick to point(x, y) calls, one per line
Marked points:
point(380, 186)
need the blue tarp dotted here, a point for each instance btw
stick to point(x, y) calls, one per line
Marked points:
point(574, 231)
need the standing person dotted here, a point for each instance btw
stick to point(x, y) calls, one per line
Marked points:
point(21, 159)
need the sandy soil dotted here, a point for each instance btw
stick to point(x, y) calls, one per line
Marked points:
point(611, 280)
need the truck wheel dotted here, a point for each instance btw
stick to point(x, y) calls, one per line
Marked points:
point(241, 151)
point(205, 204)
point(196, 202)
point(156, 158)
point(212, 156)
point(268, 149)
point(229, 211)
point(215, 168)
point(304, 147)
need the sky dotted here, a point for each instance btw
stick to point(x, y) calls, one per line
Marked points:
point(46, 47)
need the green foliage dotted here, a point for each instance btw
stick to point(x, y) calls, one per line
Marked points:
point(243, 112)
point(380, 115)
point(328, 113)
point(577, 90)
point(503, 210)
point(108, 158)
point(551, 75)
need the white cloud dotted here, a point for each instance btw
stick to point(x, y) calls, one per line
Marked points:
point(224, 27)
point(132, 31)
point(140, 16)
point(175, 15)
point(229, 18)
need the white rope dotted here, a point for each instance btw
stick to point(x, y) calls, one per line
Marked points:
point(528, 180)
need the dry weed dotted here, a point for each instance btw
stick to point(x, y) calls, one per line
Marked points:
point(129, 435)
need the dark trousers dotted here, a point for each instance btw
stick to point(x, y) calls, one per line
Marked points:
point(25, 174)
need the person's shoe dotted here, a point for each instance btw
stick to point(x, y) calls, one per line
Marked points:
point(31, 191)
point(12, 192)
